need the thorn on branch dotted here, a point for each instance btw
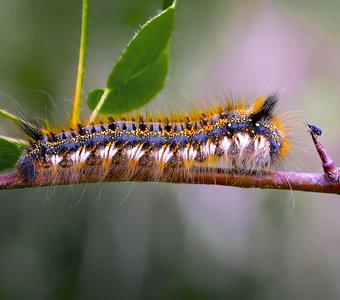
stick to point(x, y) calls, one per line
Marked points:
point(331, 172)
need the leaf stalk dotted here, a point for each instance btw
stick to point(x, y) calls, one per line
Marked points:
point(75, 118)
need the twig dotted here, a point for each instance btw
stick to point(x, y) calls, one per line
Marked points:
point(81, 66)
point(311, 182)
point(331, 172)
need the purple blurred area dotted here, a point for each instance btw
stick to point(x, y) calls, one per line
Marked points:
point(157, 241)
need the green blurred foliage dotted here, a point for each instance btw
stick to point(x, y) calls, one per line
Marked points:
point(10, 151)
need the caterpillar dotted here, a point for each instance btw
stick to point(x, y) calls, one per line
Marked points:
point(244, 138)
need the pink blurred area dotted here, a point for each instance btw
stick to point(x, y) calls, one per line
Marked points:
point(263, 48)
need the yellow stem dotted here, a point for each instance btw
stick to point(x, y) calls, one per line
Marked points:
point(81, 66)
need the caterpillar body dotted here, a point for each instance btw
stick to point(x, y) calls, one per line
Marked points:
point(244, 138)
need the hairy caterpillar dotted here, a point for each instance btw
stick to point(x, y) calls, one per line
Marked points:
point(243, 138)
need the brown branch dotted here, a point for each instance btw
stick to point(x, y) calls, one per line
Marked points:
point(311, 182)
point(331, 172)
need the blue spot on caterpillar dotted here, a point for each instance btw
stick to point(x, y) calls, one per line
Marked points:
point(245, 138)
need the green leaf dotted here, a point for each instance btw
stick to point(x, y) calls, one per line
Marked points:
point(167, 3)
point(127, 97)
point(10, 151)
point(140, 72)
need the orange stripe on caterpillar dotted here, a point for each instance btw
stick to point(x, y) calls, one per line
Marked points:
point(245, 138)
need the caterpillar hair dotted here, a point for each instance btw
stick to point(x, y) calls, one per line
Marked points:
point(242, 138)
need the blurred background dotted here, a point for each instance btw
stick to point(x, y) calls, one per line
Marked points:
point(164, 241)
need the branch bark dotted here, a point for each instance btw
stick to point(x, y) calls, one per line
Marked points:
point(309, 182)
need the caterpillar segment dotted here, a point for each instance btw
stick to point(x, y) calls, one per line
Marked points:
point(239, 137)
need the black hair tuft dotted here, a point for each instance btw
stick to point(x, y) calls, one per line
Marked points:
point(33, 131)
point(267, 108)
